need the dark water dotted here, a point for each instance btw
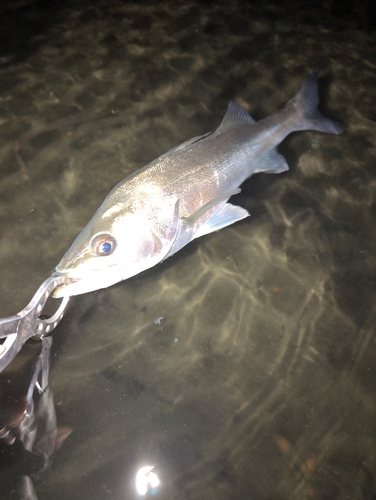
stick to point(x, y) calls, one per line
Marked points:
point(244, 366)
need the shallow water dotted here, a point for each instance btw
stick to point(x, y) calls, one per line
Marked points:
point(243, 366)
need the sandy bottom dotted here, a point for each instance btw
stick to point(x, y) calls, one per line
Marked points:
point(244, 366)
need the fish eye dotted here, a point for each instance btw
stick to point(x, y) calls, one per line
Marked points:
point(103, 244)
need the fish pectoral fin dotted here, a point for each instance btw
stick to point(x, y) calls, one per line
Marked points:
point(192, 219)
point(225, 215)
point(273, 163)
point(228, 214)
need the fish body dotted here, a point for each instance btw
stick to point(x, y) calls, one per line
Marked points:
point(184, 194)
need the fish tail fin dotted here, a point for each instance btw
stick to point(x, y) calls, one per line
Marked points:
point(304, 105)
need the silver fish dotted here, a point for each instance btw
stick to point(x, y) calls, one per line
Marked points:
point(184, 194)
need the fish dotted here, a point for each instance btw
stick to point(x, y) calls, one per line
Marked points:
point(183, 194)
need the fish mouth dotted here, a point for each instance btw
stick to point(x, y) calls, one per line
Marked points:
point(84, 284)
point(58, 292)
point(71, 280)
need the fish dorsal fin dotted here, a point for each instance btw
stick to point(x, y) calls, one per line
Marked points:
point(235, 115)
point(185, 144)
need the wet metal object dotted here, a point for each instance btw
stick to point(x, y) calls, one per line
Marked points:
point(27, 323)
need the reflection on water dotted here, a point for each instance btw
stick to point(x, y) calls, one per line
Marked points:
point(29, 433)
point(147, 481)
point(243, 366)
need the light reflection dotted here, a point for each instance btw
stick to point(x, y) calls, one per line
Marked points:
point(147, 481)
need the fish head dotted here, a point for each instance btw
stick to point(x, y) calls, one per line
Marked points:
point(120, 241)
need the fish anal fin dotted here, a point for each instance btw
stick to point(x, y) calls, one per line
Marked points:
point(273, 163)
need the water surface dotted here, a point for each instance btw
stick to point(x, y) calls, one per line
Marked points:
point(243, 366)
